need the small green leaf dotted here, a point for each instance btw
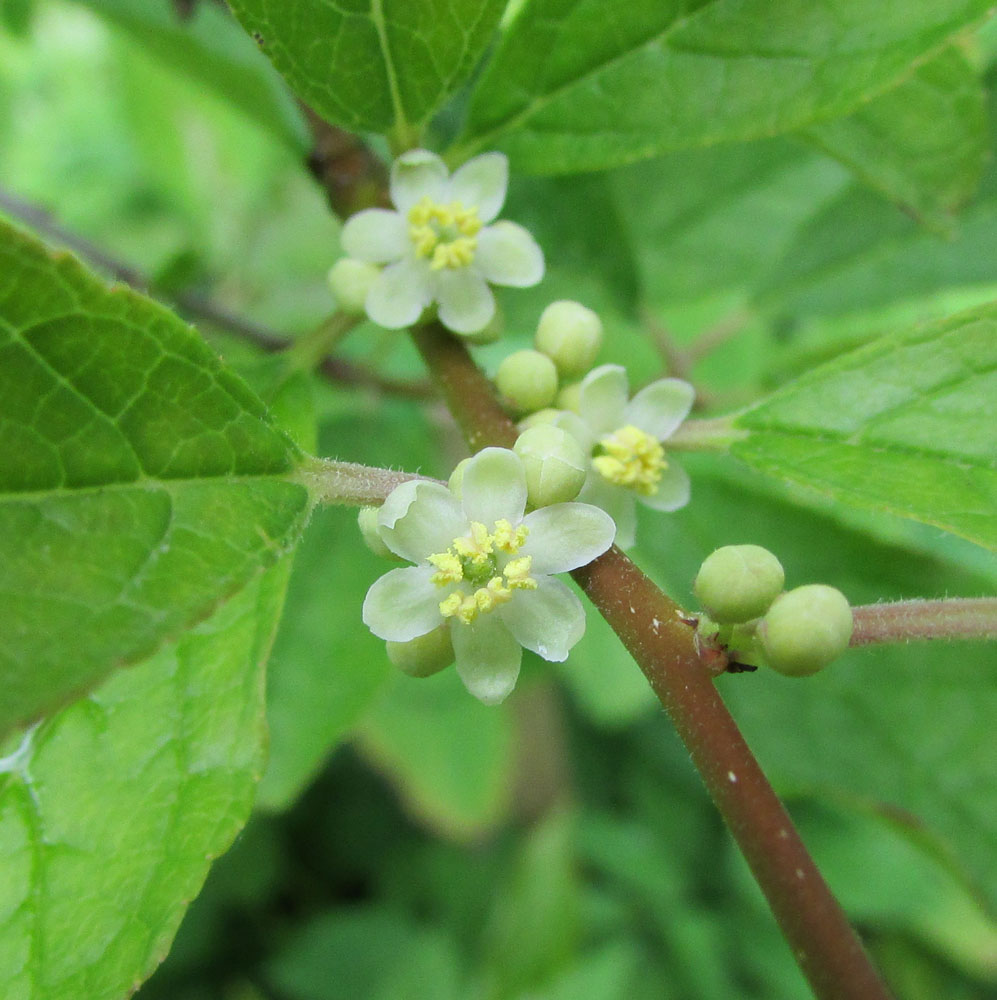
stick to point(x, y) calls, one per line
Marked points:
point(210, 48)
point(586, 84)
point(907, 424)
point(382, 66)
point(16, 16)
point(922, 144)
point(141, 484)
point(113, 808)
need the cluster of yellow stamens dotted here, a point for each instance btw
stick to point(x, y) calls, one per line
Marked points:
point(473, 559)
point(631, 457)
point(445, 234)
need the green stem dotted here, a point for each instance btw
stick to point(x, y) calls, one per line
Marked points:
point(905, 621)
point(661, 639)
point(350, 484)
point(307, 352)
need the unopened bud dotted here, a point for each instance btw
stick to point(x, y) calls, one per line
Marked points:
point(424, 655)
point(367, 523)
point(569, 334)
point(457, 477)
point(738, 582)
point(350, 281)
point(538, 419)
point(555, 464)
point(570, 397)
point(527, 381)
point(805, 629)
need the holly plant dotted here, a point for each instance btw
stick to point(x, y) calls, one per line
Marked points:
point(567, 398)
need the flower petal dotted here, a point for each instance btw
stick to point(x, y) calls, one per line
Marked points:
point(493, 487)
point(577, 428)
point(481, 183)
point(660, 407)
point(673, 489)
point(399, 294)
point(508, 255)
point(415, 175)
point(376, 235)
point(565, 536)
point(403, 604)
point(618, 502)
point(548, 620)
point(488, 658)
point(603, 398)
point(419, 518)
point(466, 302)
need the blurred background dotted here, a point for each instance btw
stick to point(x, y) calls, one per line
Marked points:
point(409, 842)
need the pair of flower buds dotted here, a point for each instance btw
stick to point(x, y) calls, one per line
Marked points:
point(797, 632)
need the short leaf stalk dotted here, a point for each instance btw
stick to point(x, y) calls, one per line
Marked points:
point(659, 637)
point(907, 621)
point(307, 352)
point(349, 483)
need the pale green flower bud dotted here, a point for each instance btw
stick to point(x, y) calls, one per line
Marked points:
point(554, 462)
point(738, 582)
point(538, 419)
point(367, 523)
point(805, 629)
point(570, 335)
point(457, 477)
point(350, 281)
point(570, 397)
point(425, 655)
point(527, 380)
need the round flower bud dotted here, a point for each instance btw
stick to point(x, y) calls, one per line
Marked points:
point(555, 464)
point(570, 397)
point(538, 419)
point(738, 582)
point(805, 629)
point(350, 281)
point(367, 522)
point(527, 380)
point(570, 335)
point(424, 655)
point(457, 477)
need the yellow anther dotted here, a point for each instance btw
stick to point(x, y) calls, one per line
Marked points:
point(444, 234)
point(632, 458)
point(477, 546)
point(449, 566)
point(517, 574)
point(451, 605)
point(507, 538)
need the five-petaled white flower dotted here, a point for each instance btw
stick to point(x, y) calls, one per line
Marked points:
point(439, 246)
point(483, 568)
point(625, 440)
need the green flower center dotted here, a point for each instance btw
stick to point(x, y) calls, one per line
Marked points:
point(444, 234)
point(631, 457)
point(474, 561)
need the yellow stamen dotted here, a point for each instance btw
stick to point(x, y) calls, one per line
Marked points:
point(507, 538)
point(449, 566)
point(517, 573)
point(632, 458)
point(444, 234)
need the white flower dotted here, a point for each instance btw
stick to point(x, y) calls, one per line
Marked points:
point(625, 440)
point(439, 247)
point(483, 568)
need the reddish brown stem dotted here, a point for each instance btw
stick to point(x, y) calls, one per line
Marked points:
point(659, 637)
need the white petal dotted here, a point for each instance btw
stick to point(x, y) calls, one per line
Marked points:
point(487, 656)
point(577, 428)
point(618, 502)
point(603, 398)
point(660, 407)
point(466, 302)
point(565, 536)
point(673, 489)
point(548, 620)
point(508, 255)
point(415, 175)
point(376, 235)
point(403, 604)
point(481, 183)
point(493, 487)
point(419, 518)
point(399, 294)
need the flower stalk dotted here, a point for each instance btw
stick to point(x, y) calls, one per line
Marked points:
point(910, 621)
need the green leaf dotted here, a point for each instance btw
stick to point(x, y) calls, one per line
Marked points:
point(210, 48)
point(449, 755)
point(922, 144)
point(141, 484)
point(383, 66)
point(586, 84)
point(112, 809)
point(16, 16)
point(907, 424)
